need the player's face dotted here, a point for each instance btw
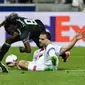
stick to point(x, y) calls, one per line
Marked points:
point(42, 40)
point(10, 29)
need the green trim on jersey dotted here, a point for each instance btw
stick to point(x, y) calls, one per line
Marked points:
point(53, 59)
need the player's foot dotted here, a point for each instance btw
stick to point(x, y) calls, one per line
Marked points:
point(4, 69)
point(67, 54)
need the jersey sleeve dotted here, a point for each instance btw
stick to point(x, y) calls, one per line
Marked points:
point(36, 54)
point(51, 52)
point(58, 48)
point(54, 57)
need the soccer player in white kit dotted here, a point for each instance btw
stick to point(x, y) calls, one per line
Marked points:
point(42, 60)
point(48, 59)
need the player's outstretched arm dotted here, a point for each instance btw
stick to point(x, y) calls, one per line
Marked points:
point(77, 37)
point(1, 24)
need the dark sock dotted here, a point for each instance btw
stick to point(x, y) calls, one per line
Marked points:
point(4, 50)
point(4, 69)
point(1, 65)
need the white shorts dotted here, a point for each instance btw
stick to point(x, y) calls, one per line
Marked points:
point(36, 67)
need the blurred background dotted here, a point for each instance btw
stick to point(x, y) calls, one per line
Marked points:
point(49, 5)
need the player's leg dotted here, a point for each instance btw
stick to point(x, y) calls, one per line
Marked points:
point(38, 30)
point(4, 69)
point(4, 49)
point(41, 67)
point(41, 25)
point(36, 40)
point(23, 64)
point(26, 65)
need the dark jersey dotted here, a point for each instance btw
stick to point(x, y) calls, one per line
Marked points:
point(27, 28)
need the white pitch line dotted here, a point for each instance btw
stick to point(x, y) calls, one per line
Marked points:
point(76, 70)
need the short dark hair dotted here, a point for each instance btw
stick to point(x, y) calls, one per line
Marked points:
point(47, 34)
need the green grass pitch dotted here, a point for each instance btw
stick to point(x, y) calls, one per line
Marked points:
point(70, 73)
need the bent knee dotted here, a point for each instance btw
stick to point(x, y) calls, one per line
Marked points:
point(23, 64)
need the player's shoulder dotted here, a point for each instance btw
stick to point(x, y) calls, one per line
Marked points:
point(57, 46)
point(49, 46)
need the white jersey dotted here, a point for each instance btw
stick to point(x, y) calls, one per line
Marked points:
point(57, 48)
point(37, 54)
point(41, 58)
point(51, 50)
point(38, 61)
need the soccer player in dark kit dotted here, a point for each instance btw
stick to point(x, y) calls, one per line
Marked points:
point(20, 29)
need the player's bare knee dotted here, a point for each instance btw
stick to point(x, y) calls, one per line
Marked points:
point(23, 64)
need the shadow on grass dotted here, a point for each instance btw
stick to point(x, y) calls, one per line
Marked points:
point(63, 69)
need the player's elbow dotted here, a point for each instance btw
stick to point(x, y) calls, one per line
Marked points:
point(63, 50)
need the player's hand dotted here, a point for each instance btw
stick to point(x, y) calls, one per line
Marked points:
point(1, 24)
point(80, 35)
